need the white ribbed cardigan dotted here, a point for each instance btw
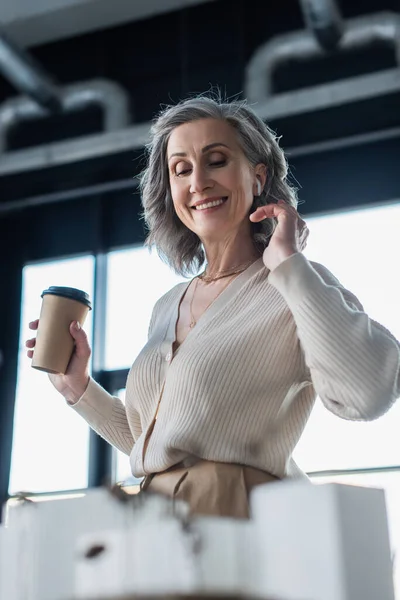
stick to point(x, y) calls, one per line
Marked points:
point(242, 385)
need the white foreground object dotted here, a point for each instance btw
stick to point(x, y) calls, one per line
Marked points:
point(304, 541)
point(8, 563)
point(322, 542)
point(44, 536)
point(203, 556)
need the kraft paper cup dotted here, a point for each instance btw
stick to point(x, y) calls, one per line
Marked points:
point(54, 343)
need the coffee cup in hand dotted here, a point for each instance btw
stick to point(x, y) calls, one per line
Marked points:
point(54, 343)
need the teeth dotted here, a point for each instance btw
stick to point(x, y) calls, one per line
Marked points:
point(209, 204)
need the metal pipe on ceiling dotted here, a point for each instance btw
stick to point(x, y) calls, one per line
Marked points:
point(74, 150)
point(79, 193)
point(360, 34)
point(108, 95)
point(383, 28)
point(132, 184)
point(323, 18)
point(26, 75)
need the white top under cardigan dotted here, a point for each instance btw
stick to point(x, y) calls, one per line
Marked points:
point(241, 386)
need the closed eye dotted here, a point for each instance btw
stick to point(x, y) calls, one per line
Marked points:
point(183, 172)
point(218, 163)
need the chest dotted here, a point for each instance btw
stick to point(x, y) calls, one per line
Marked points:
point(247, 343)
point(195, 302)
point(246, 351)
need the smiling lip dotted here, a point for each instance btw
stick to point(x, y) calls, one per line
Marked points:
point(206, 200)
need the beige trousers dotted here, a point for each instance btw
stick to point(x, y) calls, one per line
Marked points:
point(210, 488)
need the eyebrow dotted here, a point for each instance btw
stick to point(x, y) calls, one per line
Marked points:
point(205, 149)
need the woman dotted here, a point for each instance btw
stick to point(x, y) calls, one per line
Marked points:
point(219, 396)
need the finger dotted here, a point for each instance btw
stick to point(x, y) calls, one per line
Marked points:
point(303, 238)
point(266, 212)
point(290, 208)
point(82, 348)
point(34, 324)
point(301, 224)
point(30, 343)
point(30, 353)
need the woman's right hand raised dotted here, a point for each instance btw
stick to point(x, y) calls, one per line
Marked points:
point(73, 384)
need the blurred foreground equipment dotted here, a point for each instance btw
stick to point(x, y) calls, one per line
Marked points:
point(320, 542)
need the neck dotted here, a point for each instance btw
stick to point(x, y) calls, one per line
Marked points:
point(229, 254)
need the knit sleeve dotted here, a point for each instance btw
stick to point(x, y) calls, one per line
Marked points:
point(106, 415)
point(354, 362)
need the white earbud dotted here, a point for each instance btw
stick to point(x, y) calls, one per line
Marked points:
point(258, 188)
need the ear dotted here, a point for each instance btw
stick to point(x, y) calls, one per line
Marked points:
point(260, 172)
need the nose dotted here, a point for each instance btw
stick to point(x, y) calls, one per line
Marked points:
point(199, 181)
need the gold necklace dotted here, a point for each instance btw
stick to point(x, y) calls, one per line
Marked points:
point(221, 274)
point(193, 321)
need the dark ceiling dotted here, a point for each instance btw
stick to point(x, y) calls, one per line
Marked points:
point(163, 59)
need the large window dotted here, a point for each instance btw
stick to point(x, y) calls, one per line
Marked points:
point(136, 279)
point(50, 442)
point(360, 248)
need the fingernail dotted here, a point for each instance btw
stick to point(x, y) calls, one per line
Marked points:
point(77, 325)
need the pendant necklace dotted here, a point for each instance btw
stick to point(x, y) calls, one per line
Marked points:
point(219, 275)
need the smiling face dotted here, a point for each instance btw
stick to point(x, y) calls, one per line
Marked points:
point(212, 182)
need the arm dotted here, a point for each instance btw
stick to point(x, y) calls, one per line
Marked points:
point(105, 414)
point(354, 362)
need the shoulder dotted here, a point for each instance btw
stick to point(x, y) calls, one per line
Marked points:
point(166, 301)
point(171, 295)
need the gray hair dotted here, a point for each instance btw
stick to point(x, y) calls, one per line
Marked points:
point(177, 245)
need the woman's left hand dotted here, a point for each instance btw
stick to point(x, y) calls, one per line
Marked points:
point(290, 235)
